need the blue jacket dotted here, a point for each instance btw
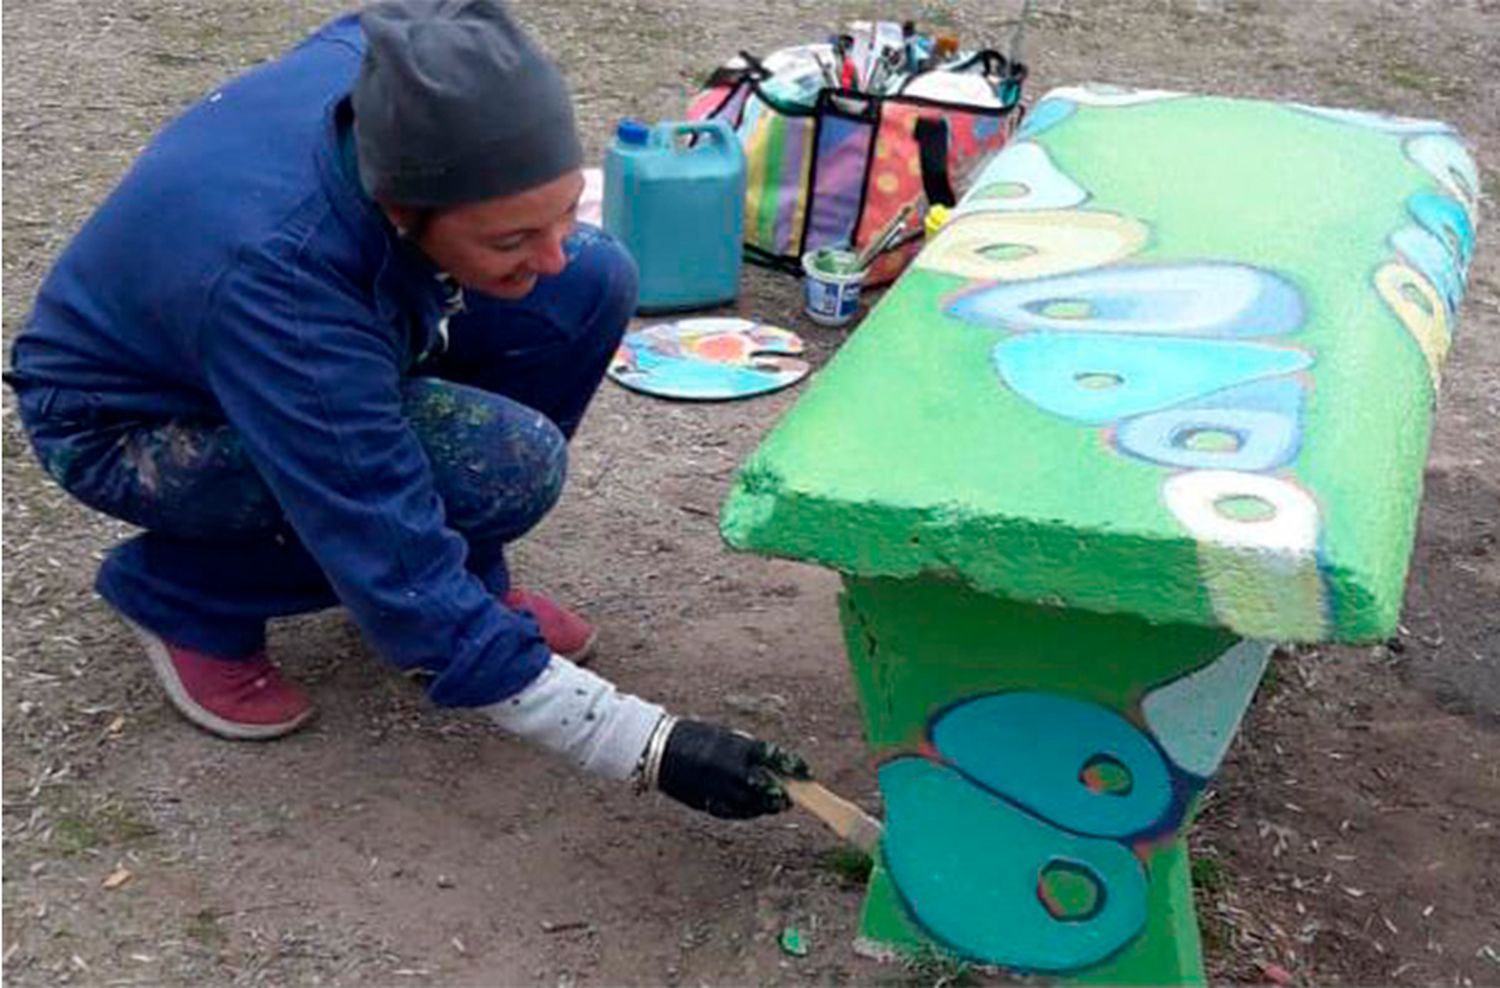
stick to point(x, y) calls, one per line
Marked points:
point(239, 273)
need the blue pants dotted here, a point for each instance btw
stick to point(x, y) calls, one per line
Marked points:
point(493, 412)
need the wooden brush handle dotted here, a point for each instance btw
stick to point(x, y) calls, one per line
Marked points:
point(842, 817)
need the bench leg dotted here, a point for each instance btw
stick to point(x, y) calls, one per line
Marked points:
point(1039, 767)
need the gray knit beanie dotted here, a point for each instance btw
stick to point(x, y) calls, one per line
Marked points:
point(455, 104)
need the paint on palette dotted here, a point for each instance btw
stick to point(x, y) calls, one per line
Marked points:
point(709, 359)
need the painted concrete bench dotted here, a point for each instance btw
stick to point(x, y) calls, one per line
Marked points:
point(1158, 395)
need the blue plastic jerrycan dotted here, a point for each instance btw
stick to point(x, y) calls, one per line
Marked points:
point(674, 195)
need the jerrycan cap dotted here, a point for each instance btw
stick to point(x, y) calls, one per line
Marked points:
point(630, 131)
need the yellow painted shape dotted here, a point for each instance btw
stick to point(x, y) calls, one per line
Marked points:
point(1015, 246)
point(1424, 316)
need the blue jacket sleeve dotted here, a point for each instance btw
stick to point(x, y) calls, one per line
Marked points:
point(312, 383)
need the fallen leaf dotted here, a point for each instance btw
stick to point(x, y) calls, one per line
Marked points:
point(116, 726)
point(117, 878)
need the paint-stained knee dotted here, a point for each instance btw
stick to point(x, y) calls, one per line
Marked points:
point(543, 448)
point(513, 486)
point(498, 465)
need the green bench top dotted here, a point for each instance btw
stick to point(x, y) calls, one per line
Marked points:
point(1174, 356)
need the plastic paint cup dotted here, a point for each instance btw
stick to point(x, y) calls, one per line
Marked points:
point(937, 216)
point(831, 286)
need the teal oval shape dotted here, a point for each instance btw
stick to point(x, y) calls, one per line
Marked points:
point(979, 875)
point(1074, 763)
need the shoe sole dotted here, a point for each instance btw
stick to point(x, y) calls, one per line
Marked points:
point(199, 716)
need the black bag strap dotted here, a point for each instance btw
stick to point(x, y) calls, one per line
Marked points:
point(776, 262)
point(932, 143)
point(731, 75)
point(1005, 74)
point(757, 69)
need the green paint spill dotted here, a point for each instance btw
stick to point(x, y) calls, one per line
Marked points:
point(793, 942)
point(1068, 891)
point(1245, 507)
point(1002, 190)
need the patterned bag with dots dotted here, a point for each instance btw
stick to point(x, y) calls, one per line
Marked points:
point(831, 166)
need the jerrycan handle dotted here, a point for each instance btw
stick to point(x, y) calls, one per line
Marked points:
point(717, 131)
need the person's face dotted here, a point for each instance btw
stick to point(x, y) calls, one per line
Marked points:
point(501, 246)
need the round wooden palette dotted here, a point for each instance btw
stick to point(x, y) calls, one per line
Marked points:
point(708, 359)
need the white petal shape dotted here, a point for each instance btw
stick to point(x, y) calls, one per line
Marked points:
point(1244, 510)
point(1445, 158)
point(1257, 541)
point(1195, 718)
point(1023, 176)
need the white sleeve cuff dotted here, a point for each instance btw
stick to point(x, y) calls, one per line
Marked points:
point(582, 717)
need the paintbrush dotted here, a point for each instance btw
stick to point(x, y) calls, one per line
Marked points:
point(842, 817)
point(876, 246)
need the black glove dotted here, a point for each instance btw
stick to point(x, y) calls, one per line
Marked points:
point(724, 773)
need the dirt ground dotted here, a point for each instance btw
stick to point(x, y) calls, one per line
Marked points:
point(1353, 836)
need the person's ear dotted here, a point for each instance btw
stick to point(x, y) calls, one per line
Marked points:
point(408, 220)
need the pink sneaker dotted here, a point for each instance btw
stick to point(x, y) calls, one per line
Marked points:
point(240, 699)
point(566, 633)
